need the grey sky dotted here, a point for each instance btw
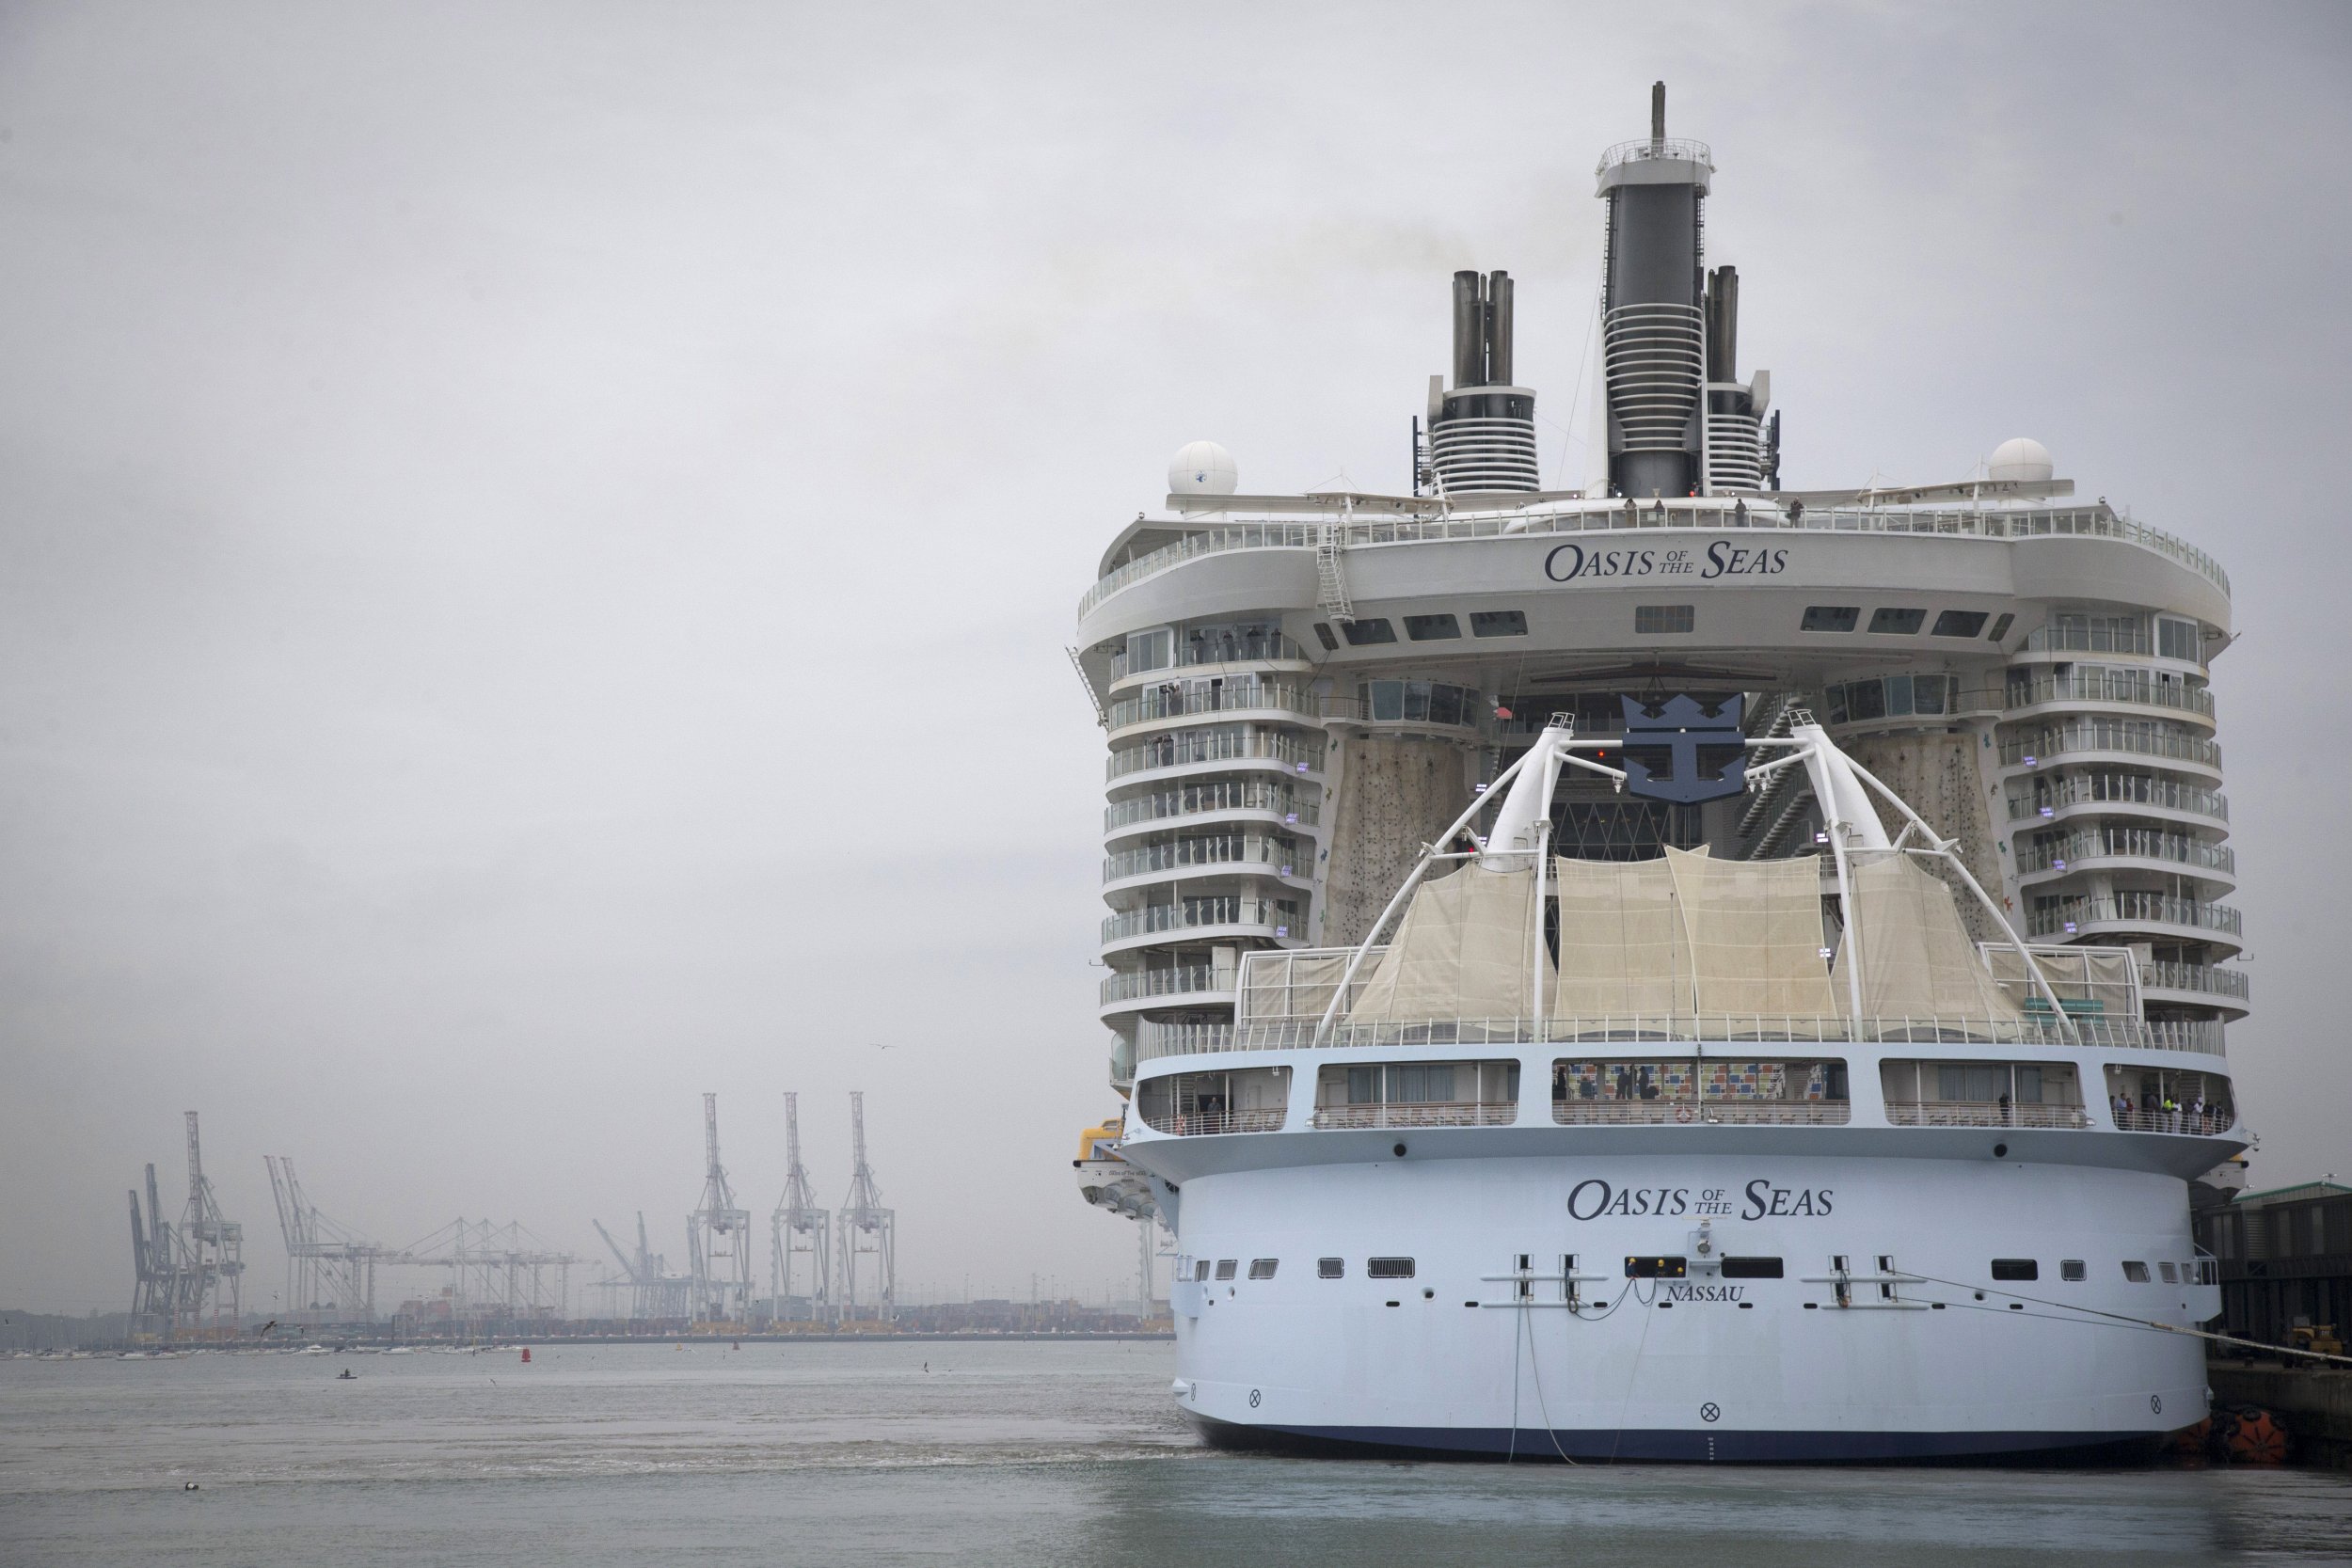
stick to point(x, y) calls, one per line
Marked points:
point(536, 541)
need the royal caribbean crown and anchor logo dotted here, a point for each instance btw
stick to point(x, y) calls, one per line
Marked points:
point(1682, 750)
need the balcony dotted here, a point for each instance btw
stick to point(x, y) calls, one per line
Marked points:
point(1218, 795)
point(1223, 647)
point(1244, 856)
point(1140, 986)
point(1278, 919)
point(2121, 793)
point(2140, 738)
point(2137, 688)
point(2116, 842)
point(1190, 747)
point(2204, 979)
point(1173, 701)
point(2068, 917)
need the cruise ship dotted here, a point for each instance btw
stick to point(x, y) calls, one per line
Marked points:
point(1684, 969)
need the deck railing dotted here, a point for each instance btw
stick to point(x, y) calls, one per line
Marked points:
point(1190, 1124)
point(2065, 916)
point(1687, 1111)
point(1726, 1030)
point(1183, 980)
point(1971, 1112)
point(1458, 1112)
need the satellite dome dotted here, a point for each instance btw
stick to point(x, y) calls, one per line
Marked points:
point(2021, 458)
point(1203, 468)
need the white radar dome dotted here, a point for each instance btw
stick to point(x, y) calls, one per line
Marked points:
point(2021, 458)
point(1203, 468)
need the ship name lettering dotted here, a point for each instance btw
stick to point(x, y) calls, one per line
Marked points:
point(1726, 559)
point(1571, 563)
point(1781, 1202)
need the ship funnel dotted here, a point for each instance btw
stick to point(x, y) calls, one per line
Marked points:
point(1657, 114)
point(1482, 433)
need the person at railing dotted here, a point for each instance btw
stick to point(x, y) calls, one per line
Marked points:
point(2148, 1110)
point(2006, 1110)
point(2197, 1114)
point(2123, 1109)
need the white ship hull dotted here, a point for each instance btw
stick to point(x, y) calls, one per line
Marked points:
point(1939, 1362)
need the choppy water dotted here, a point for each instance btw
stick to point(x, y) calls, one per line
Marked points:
point(1019, 1453)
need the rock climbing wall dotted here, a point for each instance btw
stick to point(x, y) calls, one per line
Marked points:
point(1395, 792)
point(1941, 777)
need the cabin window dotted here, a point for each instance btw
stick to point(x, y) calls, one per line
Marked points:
point(1752, 1268)
point(1830, 617)
point(1657, 1268)
point(2072, 1271)
point(1896, 623)
point(1225, 1268)
point(1389, 1268)
point(1498, 622)
point(1664, 619)
point(1330, 1267)
point(2015, 1269)
point(1323, 635)
point(1959, 622)
point(1363, 634)
point(1263, 1268)
point(2177, 639)
point(2135, 1273)
point(1199, 1269)
point(2169, 1275)
point(1151, 650)
point(1432, 628)
point(1417, 1094)
point(2000, 627)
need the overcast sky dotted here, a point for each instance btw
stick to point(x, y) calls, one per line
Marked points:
point(537, 542)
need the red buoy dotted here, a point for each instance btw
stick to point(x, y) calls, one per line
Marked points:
point(526, 1355)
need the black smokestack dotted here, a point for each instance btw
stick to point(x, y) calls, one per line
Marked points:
point(1656, 112)
point(1723, 324)
point(1470, 331)
point(1499, 330)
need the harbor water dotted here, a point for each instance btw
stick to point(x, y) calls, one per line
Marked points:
point(981, 1452)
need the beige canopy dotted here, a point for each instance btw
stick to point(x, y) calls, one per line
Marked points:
point(1916, 958)
point(1463, 950)
point(1689, 936)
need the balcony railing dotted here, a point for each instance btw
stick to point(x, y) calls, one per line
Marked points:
point(2140, 736)
point(1186, 853)
point(1213, 796)
point(2183, 1120)
point(2098, 639)
point(2207, 979)
point(1184, 980)
point(1177, 702)
point(1242, 536)
point(2113, 841)
point(1460, 1113)
point(1686, 1111)
point(1975, 1112)
point(1703, 514)
point(1193, 746)
point(2127, 908)
point(1154, 1040)
point(2121, 791)
point(1194, 1124)
point(1740, 1029)
point(1187, 913)
point(1222, 648)
point(2107, 686)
